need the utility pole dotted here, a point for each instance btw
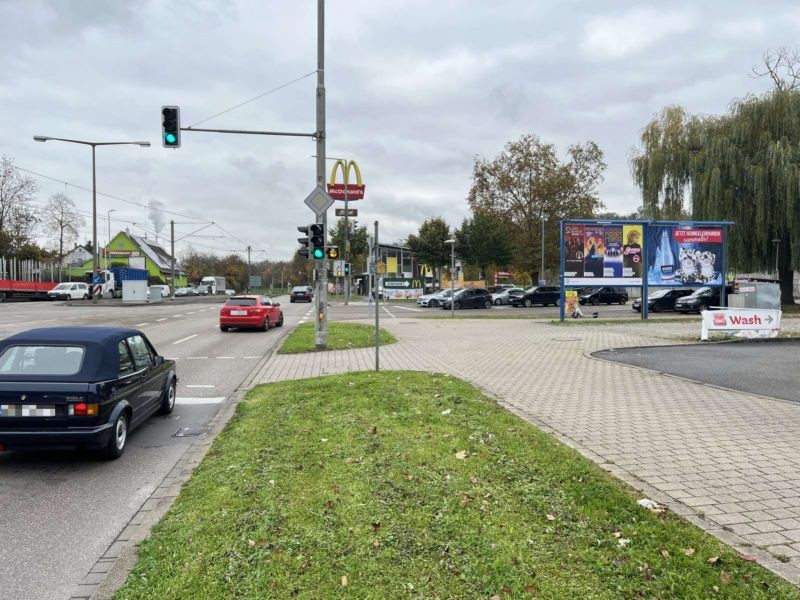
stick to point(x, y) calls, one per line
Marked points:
point(248, 269)
point(321, 333)
point(377, 306)
point(172, 255)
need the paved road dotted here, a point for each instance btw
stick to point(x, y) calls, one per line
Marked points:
point(59, 510)
point(764, 368)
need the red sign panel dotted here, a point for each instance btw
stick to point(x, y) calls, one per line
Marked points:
point(354, 192)
point(697, 236)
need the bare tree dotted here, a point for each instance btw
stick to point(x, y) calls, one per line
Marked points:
point(17, 216)
point(782, 66)
point(62, 221)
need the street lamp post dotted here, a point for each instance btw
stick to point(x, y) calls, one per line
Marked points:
point(452, 243)
point(541, 274)
point(108, 221)
point(44, 138)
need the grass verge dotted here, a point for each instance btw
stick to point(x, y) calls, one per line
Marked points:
point(414, 485)
point(341, 336)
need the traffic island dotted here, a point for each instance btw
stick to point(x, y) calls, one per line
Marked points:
point(341, 336)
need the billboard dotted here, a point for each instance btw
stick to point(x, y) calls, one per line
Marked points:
point(602, 254)
point(680, 255)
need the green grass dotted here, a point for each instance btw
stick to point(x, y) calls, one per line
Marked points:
point(414, 485)
point(341, 336)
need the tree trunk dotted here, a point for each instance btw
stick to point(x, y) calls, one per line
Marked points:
point(787, 287)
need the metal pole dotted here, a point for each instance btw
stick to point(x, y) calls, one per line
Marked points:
point(453, 280)
point(322, 282)
point(95, 259)
point(377, 306)
point(346, 240)
point(248, 270)
point(172, 256)
point(541, 274)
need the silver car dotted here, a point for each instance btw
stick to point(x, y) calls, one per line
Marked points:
point(434, 300)
point(504, 296)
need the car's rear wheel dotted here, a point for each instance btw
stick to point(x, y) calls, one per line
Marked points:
point(527, 303)
point(168, 399)
point(280, 321)
point(595, 301)
point(86, 296)
point(655, 308)
point(433, 304)
point(622, 300)
point(119, 438)
point(457, 305)
point(487, 304)
point(498, 302)
point(265, 324)
point(223, 328)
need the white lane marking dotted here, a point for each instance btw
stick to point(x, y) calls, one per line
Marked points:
point(142, 324)
point(251, 357)
point(184, 339)
point(200, 386)
point(388, 313)
point(168, 358)
point(197, 358)
point(213, 400)
point(301, 321)
point(408, 308)
point(162, 319)
point(176, 316)
point(225, 357)
point(190, 313)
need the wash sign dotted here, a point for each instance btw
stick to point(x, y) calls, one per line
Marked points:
point(742, 322)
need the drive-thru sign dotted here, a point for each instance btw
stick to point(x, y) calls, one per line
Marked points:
point(742, 322)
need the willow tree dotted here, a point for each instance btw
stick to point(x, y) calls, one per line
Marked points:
point(743, 166)
point(527, 183)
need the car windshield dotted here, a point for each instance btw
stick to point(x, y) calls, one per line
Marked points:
point(659, 294)
point(703, 291)
point(300, 289)
point(241, 302)
point(41, 360)
point(531, 289)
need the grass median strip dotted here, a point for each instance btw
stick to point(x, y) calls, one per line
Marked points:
point(414, 485)
point(341, 336)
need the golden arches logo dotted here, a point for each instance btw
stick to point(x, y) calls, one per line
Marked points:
point(346, 190)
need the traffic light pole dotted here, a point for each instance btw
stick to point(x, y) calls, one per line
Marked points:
point(321, 331)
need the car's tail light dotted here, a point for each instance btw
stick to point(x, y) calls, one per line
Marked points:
point(82, 409)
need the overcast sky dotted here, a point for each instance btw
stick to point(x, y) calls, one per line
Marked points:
point(415, 90)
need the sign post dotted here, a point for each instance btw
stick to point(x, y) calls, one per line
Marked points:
point(346, 191)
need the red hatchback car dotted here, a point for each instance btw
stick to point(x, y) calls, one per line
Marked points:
point(250, 311)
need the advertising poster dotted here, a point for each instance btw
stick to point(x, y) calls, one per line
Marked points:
point(680, 255)
point(602, 254)
point(573, 251)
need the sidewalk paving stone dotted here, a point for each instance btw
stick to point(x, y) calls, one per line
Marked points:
point(721, 453)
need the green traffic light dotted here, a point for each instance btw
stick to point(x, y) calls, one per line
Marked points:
point(319, 253)
point(170, 138)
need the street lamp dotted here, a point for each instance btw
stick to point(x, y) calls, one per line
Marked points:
point(541, 274)
point(452, 243)
point(108, 221)
point(44, 138)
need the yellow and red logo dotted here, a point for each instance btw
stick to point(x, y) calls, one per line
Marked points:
point(346, 190)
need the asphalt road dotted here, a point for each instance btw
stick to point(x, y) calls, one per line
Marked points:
point(767, 368)
point(59, 510)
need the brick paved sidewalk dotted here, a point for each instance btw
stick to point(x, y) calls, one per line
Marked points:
point(727, 461)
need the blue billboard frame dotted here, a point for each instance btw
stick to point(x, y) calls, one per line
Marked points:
point(645, 254)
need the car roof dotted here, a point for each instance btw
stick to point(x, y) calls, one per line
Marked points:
point(72, 334)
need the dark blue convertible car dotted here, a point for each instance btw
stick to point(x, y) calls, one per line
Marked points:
point(80, 386)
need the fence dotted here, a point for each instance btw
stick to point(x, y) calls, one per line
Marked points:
point(31, 270)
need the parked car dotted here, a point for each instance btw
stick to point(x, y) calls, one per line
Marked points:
point(230, 292)
point(81, 386)
point(701, 299)
point(185, 291)
point(468, 298)
point(435, 299)
point(69, 290)
point(301, 293)
point(506, 295)
point(250, 311)
point(201, 290)
point(662, 299)
point(606, 295)
point(500, 287)
point(543, 294)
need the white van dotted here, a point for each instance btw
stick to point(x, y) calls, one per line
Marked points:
point(69, 290)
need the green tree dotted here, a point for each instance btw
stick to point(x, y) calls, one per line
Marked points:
point(483, 240)
point(743, 166)
point(527, 183)
point(358, 242)
point(428, 244)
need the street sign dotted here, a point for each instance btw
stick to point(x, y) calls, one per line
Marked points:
point(338, 268)
point(255, 281)
point(350, 212)
point(338, 191)
point(397, 283)
point(319, 201)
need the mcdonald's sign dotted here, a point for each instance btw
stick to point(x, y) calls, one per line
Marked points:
point(346, 190)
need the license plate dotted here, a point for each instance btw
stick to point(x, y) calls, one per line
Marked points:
point(27, 410)
point(238, 313)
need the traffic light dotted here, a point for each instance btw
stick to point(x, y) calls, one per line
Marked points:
point(316, 235)
point(346, 269)
point(303, 251)
point(332, 252)
point(171, 126)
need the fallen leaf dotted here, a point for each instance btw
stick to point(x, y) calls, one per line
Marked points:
point(375, 544)
point(550, 517)
point(716, 588)
point(664, 552)
point(251, 542)
point(446, 412)
point(689, 552)
point(373, 430)
point(622, 542)
point(461, 455)
point(464, 500)
point(323, 440)
point(646, 572)
point(344, 581)
point(725, 577)
point(336, 488)
point(617, 534)
point(531, 589)
point(506, 591)
point(437, 395)
point(713, 560)
point(495, 597)
point(747, 557)
point(272, 482)
point(348, 460)
point(474, 480)
point(376, 526)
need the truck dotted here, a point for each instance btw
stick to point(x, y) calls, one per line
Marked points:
point(27, 279)
point(214, 285)
point(113, 278)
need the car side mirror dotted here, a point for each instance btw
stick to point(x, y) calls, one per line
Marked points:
point(276, 304)
point(159, 360)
